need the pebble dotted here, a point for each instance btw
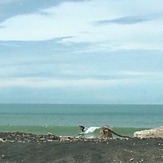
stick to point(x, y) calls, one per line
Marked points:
point(131, 159)
point(42, 139)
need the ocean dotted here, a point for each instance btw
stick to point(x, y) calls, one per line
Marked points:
point(64, 119)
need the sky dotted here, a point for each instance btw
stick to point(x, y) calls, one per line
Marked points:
point(81, 51)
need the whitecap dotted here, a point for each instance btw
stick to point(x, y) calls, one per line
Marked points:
point(91, 130)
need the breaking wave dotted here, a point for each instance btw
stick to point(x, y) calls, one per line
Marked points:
point(91, 130)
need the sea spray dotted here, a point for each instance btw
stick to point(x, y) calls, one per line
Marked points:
point(91, 130)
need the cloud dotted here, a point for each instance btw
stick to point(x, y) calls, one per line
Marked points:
point(42, 83)
point(53, 44)
point(122, 78)
point(54, 59)
point(6, 2)
point(123, 20)
point(63, 20)
point(11, 8)
point(129, 20)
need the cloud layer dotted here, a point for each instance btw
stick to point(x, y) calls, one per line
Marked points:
point(130, 19)
point(81, 51)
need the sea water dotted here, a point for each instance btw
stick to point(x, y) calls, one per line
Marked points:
point(63, 119)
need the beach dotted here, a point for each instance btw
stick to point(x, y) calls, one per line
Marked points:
point(26, 147)
point(40, 127)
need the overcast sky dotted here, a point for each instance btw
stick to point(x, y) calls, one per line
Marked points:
point(81, 51)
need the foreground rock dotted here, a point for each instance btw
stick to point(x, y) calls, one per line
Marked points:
point(28, 148)
point(110, 151)
point(23, 137)
point(151, 133)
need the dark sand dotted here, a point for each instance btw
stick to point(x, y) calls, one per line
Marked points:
point(24, 147)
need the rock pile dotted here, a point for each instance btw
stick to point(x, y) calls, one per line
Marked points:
point(151, 133)
point(26, 137)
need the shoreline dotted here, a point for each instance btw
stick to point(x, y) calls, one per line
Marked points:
point(65, 130)
point(27, 147)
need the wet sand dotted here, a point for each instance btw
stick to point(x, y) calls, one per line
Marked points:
point(24, 147)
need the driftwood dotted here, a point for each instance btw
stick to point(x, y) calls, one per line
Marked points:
point(107, 133)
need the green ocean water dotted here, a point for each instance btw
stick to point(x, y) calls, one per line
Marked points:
point(65, 119)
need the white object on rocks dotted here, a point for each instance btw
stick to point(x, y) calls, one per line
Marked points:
point(151, 133)
point(1, 140)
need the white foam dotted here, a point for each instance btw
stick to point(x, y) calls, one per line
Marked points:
point(91, 130)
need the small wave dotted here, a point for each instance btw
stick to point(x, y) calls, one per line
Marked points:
point(91, 130)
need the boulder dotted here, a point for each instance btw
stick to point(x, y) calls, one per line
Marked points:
point(151, 133)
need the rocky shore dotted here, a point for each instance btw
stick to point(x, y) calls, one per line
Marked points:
point(26, 147)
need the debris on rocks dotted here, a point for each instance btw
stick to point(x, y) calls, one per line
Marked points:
point(107, 133)
point(2, 140)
